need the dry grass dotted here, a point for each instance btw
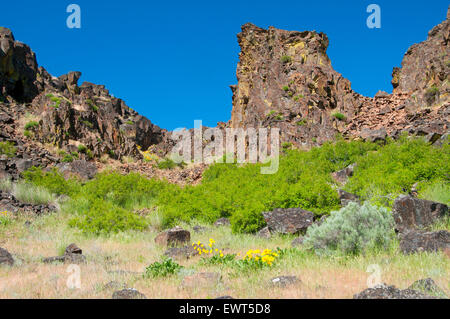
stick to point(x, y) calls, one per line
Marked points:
point(132, 252)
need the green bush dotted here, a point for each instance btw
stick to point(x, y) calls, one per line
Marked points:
point(164, 268)
point(352, 230)
point(52, 181)
point(339, 116)
point(286, 59)
point(82, 148)
point(104, 218)
point(242, 192)
point(438, 191)
point(381, 176)
point(7, 148)
point(31, 125)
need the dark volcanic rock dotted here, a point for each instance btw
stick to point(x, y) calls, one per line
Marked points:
point(181, 252)
point(284, 281)
point(264, 233)
point(173, 237)
point(79, 168)
point(374, 135)
point(5, 257)
point(72, 255)
point(342, 176)
point(128, 294)
point(347, 197)
point(288, 220)
point(428, 287)
point(390, 292)
point(414, 241)
point(222, 222)
point(410, 212)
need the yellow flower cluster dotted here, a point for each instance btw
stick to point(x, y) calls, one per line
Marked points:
point(5, 213)
point(208, 249)
point(148, 155)
point(267, 256)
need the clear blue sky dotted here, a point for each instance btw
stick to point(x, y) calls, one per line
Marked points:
point(173, 61)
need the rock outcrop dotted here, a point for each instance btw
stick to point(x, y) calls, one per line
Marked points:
point(288, 220)
point(415, 241)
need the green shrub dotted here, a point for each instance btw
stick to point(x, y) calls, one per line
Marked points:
point(302, 122)
point(92, 105)
point(286, 59)
point(67, 158)
point(164, 268)
point(438, 191)
point(168, 163)
point(82, 148)
point(285, 88)
point(352, 230)
point(32, 194)
point(27, 133)
point(339, 116)
point(383, 175)
point(52, 180)
point(104, 218)
point(242, 193)
point(7, 148)
point(31, 125)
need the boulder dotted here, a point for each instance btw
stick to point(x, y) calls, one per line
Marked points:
point(412, 213)
point(288, 220)
point(428, 287)
point(346, 197)
point(415, 241)
point(72, 255)
point(222, 222)
point(73, 249)
point(373, 135)
point(390, 292)
point(342, 176)
point(178, 253)
point(264, 233)
point(173, 237)
point(128, 293)
point(80, 168)
point(284, 281)
point(5, 257)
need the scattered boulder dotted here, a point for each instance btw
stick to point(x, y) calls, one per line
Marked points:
point(199, 229)
point(284, 281)
point(264, 233)
point(178, 253)
point(412, 213)
point(297, 241)
point(80, 168)
point(222, 222)
point(342, 176)
point(346, 197)
point(5, 257)
point(128, 293)
point(428, 287)
point(288, 220)
point(374, 135)
point(173, 237)
point(72, 255)
point(415, 241)
point(390, 292)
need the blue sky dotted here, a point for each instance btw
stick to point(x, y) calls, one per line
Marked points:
point(173, 61)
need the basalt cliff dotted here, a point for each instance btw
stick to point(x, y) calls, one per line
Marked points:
point(285, 80)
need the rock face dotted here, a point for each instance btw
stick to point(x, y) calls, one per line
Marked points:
point(415, 241)
point(411, 213)
point(67, 114)
point(289, 220)
point(346, 197)
point(18, 69)
point(72, 255)
point(173, 237)
point(5, 257)
point(390, 292)
point(425, 68)
point(285, 80)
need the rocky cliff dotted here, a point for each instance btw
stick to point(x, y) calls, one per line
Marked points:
point(285, 80)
